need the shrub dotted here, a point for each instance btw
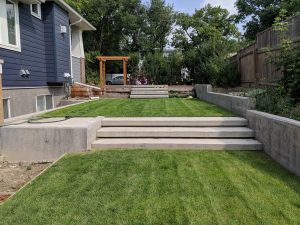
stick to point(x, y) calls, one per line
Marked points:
point(274, 101)
point(92, 67)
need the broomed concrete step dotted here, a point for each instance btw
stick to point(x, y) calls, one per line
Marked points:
point(149, 89)
point(167, 143)
point(175, 122)
point(149, 86)
point(149, 92)
point(148, 96)
point(175, 132)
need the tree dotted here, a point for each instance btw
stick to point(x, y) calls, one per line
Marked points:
point(118, 24)
point(260, 14)
point(125, 26)
point(158, 26)
point(206, 39)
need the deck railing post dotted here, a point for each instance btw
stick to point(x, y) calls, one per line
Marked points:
point(1, 98)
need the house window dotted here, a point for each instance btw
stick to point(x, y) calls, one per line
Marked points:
point(36, 10)
point(9, 25)
point(6, 108)
point(44, 102)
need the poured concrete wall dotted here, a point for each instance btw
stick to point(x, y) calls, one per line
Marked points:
point(236, 104)
point(46, 142)
point(23, 100)
point(280, 138)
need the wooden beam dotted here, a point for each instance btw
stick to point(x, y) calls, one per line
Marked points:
point(1, 96)
point(107, 58)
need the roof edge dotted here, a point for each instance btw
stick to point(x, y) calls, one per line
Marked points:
point(85, 25)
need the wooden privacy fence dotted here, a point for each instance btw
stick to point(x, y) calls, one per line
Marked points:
point(253, 61)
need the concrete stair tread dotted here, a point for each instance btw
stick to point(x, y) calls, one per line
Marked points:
point(176, 132)
point(149, 93)
point(149, 86)
point(148, 96)
point(174, 122)
point(150, 89)
point(178, 143)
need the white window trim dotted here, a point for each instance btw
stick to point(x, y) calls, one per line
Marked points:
point(45, 103)
point(39, 14)
point(16, 47)
point(8, 105)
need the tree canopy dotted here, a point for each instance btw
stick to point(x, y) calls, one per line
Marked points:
point(206, 38)
point(260, 14)
point(125, 26)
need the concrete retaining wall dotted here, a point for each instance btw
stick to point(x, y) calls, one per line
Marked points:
point(47, 141)
point(280, 137)
point(236, 104)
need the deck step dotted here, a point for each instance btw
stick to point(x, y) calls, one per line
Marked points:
point(148, 96)
point(175, 132)
point(175, 122)
point(167, 143)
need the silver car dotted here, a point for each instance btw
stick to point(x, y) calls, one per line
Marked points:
point(119, 80)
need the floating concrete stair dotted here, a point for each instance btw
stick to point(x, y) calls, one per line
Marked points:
point(149, 92)
point(175, 122)
point(175, 132)
point(211, 133)
point(171, 143)
point(149, 89)
point(148, 96)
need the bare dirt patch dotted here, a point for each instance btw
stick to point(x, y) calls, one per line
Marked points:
point(14, 176)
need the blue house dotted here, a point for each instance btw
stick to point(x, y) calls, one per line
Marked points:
point(41, 45)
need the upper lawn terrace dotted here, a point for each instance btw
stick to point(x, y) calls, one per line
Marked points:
point(173, 107)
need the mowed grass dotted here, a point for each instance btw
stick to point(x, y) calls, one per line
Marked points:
point(173, 107)
point(159, 187)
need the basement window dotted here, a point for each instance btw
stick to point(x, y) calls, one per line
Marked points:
point(44, 102)
point(6, 108)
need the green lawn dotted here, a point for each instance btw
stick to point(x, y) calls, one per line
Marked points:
point(173, 107)
point(159, 187)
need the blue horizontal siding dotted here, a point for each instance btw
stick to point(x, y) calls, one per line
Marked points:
point(45, 52)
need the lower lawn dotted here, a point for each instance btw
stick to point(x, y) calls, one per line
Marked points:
point(159, 187)
point(173, 107)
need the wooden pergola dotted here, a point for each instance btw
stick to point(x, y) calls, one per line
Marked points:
point(102, 71)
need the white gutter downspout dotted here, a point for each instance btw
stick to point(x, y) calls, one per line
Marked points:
point(70, 31)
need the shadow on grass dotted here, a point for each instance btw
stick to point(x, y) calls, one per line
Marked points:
point(269, 166)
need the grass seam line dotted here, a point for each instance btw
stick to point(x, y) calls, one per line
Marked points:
point(29, 182)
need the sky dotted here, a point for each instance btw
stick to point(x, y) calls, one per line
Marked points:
point(189, 6)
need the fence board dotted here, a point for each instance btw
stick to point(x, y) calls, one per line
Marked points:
point(253, 61)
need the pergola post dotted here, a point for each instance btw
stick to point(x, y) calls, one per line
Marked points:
point(1, 96)
point(125, 71)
